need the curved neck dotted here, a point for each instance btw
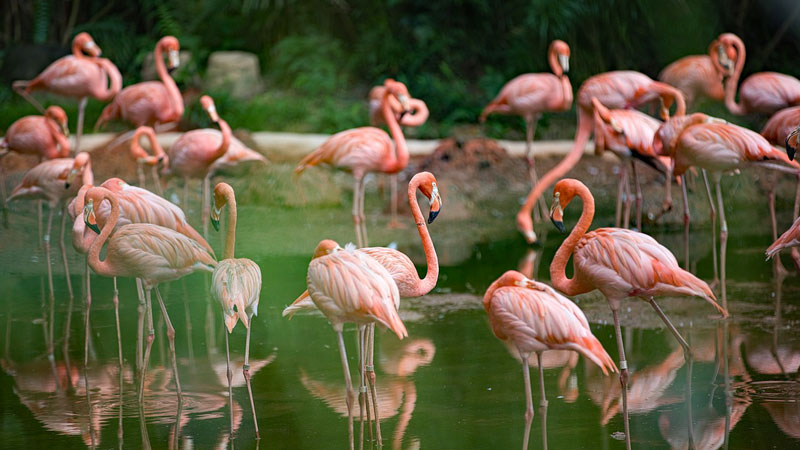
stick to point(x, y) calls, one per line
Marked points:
point(105, 268)
point(58, 135)
point(115, 79)
point(666, 91)
point(77, 51)
point(558, 275)
point(566, 92)
point(172, 88)
point(87, 177)
point(230, 238)
point(732, 84)
point(398, 160)
point(226, 138)
point(417, 116)
point(552, 58)
point(431, 260)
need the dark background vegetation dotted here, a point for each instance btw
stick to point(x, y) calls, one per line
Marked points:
point(320, 57)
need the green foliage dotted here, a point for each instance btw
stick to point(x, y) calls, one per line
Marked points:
point(313, 64)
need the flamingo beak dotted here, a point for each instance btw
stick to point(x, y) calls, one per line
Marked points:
point(212, 113)
point(436, 204)
point(557, 214)
point(70, 177)
point(174, 60)
point(403, 99)
point(790, 149)
point(89, 217)
point(563, 60)
point(65, 129)
point(215, 216)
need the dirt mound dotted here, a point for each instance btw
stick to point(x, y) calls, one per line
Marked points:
point(479, 153)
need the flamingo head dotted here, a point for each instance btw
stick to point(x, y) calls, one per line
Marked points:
point(79, 165)
point(792, 143)
point(429, 188)
point(211, 109)
point(561, 49)
point(87, 44)
point(400, 92)
point(170, 45)
point(221, 193)
point(325, 248)
point(727, 52)
point(88, 214)
point(562, 195)
point(57, 114)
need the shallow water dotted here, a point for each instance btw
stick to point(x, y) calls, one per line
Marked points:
point(451, 384)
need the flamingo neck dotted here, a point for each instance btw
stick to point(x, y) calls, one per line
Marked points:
point(732, 84)
point(172, 89)
point(431, 260)
point(226, 138)
point(59, 137)
point(558, 275)
point(397, 160)
point(230, 238)
point(566, 92)
point(666, 91)
point(107, 267)
point(77, 51)
point(418, 115)
point(87, 177)
point(552, 59)
point(107, 92)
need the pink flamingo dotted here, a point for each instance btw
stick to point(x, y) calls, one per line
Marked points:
point(78, 76)
point(400, 266)
point(150, 102)
point(615, 90)
point(45, 136)
point(143, 158)
point(629, 135)
point(366, 149)
point(781, 129)
point(416, 116)
point(619, 263)
point(192, 155)
point(762, 92)
point(531, 94)
point(236, 285)
point(790, 238)
point(536, 318)
point(236, 157)
point(152, 253)
point(698, 76)
point(349, 286)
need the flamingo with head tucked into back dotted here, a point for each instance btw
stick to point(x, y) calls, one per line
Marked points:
point(144, 159)
point(366, 149)
point(698, 76)
point(76, 75)
point(616, 90)
point(535, 318)
point(620, 264)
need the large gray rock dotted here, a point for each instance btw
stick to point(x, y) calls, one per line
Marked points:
point(149, 67)
point(237, 72)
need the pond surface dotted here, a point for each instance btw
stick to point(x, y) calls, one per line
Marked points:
point(450, 385)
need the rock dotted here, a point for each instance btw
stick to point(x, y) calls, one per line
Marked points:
point(149, 67)
point(237, 72)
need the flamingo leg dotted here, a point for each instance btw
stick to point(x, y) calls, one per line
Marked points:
point(530, 133)
point(141, 310)
point(151, 335)
point(372, 383)
point(140, 175)
point(361, 193)
point(626, 213)
point(362, 387)
point(79, 128)
point(686, 222)
point(687, 356)
point(116, 319)
point(356, 218)
point(779, 269)
point(394, 223)
point(46, 240)
point(623, 376)
point(63, 248)
point(246, 373)
point(157, 181)
point(206, 203)
point(20, 88)
point(88, 306)
point(348, 385)
point(542, 401)
point(39, 214)
point(723, 242)
point(620, 190)
point(229, 373)
point(171, 338)
point(639, 199)
point(65, 348)
point(186, 194)
point(526, 375)
point(713, 212)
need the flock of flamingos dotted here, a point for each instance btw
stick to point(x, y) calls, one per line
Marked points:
point(148, 238)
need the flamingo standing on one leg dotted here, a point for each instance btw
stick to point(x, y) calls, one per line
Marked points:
point(619, 263)
point(762, 92)
point(531, 94)
point(698, 75)
point(45, 136)
point(615, 90)
point(366, 149)
point(150, 102)
point(349, 286)
point(236, 285)
point(192, 155)
point(143, 158)
point(536, 318)
point(149, 252)
point(78, 76)
point(416, 116)
point(400, 266)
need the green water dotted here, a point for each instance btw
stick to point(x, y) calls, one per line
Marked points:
point(450, 385)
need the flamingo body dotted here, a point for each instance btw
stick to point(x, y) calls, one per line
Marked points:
point(790, 238)
point(695, 76)
point(236, 282)
point(37, 135)
point(79, 77)
point(46, 181)
point(194, 152)
point(531, 94)
point(358, 150)
point(781, 124)
point(767, 92)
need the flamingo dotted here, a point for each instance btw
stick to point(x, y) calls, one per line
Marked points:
point(45, 136)
point(143, 158)
point(531, 94)
point(762, 92)
point(782, 129)
point(237, 155)
point(615, 90)
point(536, 318)
point(718, 148)
point(349, 286)
point(150, 102)
point(236, 285)
point(619, 263)
point(366, 149)
point(416, 116)
point(78, 76)
point(790, 238)
point(152, 253)
point(629, 135)
point(400, 266)
point(698, 75)
point(193, 153)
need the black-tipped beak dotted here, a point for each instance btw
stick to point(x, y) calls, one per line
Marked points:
point(790, 151)
point(67, 183)
point(559, 225)
point(93, 227)
point(160, 160)
point(432, 216)
point(215, 224)
point(170, 70)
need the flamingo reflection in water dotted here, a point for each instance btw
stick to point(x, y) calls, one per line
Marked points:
point(399, 360)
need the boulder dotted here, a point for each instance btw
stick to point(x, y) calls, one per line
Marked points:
point(237, 72)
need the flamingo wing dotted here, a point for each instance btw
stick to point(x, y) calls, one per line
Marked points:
point(790, 238)
point(236, 285)
point(362, 148)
